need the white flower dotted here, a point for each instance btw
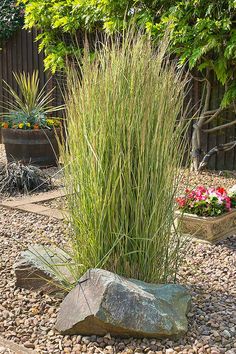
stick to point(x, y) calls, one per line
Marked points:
point(212, 195)
point(232, 189)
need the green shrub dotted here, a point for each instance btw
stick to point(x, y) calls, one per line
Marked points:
point(11, 18)
point(122, 162)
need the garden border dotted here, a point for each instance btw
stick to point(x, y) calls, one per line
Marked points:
point(28, 204)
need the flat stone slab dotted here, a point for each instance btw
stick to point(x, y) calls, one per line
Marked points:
point(7, 346)
point(42, 268)
point(28, 204)
point(35, 198)
point(104, 302)
point(43, 210)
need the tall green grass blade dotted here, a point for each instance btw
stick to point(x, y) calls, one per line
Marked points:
point(126, 142)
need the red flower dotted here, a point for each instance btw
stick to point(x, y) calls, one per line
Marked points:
point(181, 201)
point(221, 190)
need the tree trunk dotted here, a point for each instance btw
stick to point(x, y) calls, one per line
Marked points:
point(196, 148)
point(197, 127)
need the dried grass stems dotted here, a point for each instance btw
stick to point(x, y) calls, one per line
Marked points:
point(15, 177)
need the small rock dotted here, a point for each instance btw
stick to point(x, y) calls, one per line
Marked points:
point(226, 334)
point(215, 351)
point(93, 338)
point(121, 346)
point(29, 345)
point(216, 335)
point(51, 333)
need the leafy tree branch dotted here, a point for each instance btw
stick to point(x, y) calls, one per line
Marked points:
point(11, 18)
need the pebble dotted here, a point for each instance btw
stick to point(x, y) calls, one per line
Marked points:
point(226, 334)
point(29, 345)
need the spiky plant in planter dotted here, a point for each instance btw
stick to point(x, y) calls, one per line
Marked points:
point(16, 177)
point(30, 134)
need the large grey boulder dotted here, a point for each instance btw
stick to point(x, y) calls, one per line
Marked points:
point(104, 302)
point(42, 268)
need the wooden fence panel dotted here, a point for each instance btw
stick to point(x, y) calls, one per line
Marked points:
point(20, 53)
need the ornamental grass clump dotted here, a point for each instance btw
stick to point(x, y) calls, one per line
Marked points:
point(125, 143)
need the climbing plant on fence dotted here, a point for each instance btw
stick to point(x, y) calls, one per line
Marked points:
point(11, 18)
point(202, 36)
point(57, 19)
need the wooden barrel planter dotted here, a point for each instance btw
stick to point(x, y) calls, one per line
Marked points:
point(36, 147)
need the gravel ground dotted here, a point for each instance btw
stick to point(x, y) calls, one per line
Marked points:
point(209, 272)
point(224, 179)
point(28, 317)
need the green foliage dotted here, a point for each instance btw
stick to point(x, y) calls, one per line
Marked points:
point(57, 19)
point(230, 95)
point(122, 165)
point(11, 18)
point(203, 33)
point(31, 106)
point(62, 19)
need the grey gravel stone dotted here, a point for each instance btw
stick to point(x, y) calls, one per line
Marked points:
point(226, 334)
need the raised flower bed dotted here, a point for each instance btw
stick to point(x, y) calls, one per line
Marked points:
point(207, 213)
